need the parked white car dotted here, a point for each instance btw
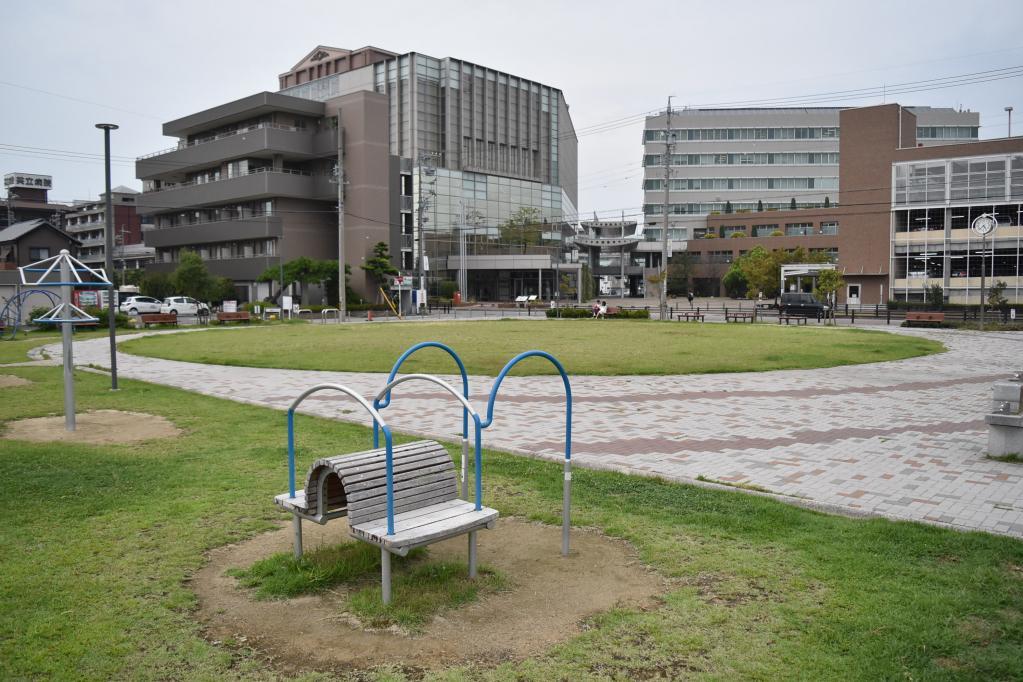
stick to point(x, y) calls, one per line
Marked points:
point(183, 305)
point(134, 305)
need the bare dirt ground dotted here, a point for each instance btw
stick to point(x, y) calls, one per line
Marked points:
point(99, 427)
point(10, 381)
point(548, 597)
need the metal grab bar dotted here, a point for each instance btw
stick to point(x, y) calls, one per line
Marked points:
point(466, 409)
point(381, 404)
point(378, 421)
point(566, 510)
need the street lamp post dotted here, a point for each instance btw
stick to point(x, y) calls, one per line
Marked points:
point(983, 225)
point(109, 251)
point(1008, 110)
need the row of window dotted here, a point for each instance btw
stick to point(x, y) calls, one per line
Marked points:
point(769, 230)
point(686, 184)
point(959, 217)
point(752, 159)
point(999, 262)
point(240, 249)
point(704, 134)
point(831, 253)
point(976, 179)
point(721, 207)
point(946, 132)
point(242, 211)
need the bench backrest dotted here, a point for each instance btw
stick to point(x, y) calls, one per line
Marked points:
point(158, 317)
point(925, 316)
point(423, 475)
point(241, 315)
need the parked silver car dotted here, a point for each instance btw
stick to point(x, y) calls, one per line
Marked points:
point(184, 305)
point(134, 305)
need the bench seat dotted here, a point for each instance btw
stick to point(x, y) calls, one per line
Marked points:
point(425, 525)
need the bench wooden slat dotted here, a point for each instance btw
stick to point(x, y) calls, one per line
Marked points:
point(402, 479)
point(413, 499)
point(374, 468)
point(378, 454)
point(426, 525)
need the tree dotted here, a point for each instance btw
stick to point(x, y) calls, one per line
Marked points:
point(827, 202)
point(792, 204)
point(523, 227)
point(995, 298)
point(728, 207)
point(935, 296)
point(679, 270)
point(734, 282)
point(760, 204)
point(588, 287)
point(156, 284)
point(222, 289)
point(828, 282)
point(379, 266)
point(191, 278)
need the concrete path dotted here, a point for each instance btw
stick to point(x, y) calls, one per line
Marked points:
point(900, 439)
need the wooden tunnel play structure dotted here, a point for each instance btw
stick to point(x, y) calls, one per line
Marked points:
point(407, 496)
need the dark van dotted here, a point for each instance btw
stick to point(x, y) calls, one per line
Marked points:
point(802, 305)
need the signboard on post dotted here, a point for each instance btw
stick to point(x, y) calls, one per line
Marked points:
point(230, 306)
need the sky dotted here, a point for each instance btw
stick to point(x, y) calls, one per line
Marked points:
point(65, 66)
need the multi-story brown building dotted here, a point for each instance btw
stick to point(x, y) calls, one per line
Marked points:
point(436, 153)
point(872, 233)
point(87, 222)
point(28, 199)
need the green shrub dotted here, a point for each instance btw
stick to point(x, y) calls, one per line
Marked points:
point(576, 313)
point(121, 321)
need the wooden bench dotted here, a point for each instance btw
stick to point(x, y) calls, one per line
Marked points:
point(689, 316)
point(798, 319)
point(427, 508)
point(740, 317)
point(241, 316)
point(158, 318)
point(924, 319)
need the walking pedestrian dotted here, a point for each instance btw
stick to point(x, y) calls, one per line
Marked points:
point(690, 297)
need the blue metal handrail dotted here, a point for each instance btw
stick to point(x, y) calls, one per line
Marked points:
point(381, 404)
point(378, 421)
point(567, 487)
point(466, 409)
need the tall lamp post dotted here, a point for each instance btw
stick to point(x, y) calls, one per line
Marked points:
point(983, 225)
point(1008, 110)
point(109, 251)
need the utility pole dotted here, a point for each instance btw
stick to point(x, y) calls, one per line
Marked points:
point(669, 138)
point(109, 253)
point(421, 218)
point(342, 302)
point(621, 275)
point(11, 196)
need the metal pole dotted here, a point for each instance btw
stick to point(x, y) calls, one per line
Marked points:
point(297, 525)
point(472, 555)
point(983, 256)
point(109, 252)
point(65, 337)
point(385, 575)
point(621, 263)
point(342, 300)
point(668, 149)
point(566, 507)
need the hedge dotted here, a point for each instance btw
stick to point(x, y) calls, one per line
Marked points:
point(576, 313)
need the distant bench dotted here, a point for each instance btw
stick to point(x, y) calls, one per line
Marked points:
point(798, 319)
point(924, 319)
point(158, 318)
point(241, 316)
point(740, 317)
point(689, 316)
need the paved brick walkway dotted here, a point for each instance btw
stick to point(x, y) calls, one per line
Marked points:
point(900, 439)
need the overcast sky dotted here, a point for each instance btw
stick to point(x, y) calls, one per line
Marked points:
point(151, 62)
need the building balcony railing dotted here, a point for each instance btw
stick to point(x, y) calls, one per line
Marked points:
point(254, 227)
point(265, 139)
point(406, 204)
point(257, 184)
point(219, 136)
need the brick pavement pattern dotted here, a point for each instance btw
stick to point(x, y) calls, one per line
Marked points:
point(903, 439)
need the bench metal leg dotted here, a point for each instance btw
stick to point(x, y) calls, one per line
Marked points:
point(472, 555)
point(297, 524)
point(385, 575)
point(465, 470)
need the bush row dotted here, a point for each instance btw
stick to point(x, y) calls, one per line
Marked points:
point(571, 313)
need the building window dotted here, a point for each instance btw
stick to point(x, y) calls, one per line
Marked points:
point(798, 229)
point(829, 228)
point(764, 230)
point(38, 253)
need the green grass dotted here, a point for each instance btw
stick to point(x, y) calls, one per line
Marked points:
point(99, 543)
point(16, 350)
point(1011, 458)
point(607, 347)
point(421, 589)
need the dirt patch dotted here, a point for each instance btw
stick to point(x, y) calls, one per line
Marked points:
point(548, 597)
point(99, 427)
point(10, 381)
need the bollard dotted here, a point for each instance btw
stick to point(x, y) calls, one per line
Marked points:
point(853, 318)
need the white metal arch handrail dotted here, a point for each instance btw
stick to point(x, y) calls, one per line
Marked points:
point(469, 410)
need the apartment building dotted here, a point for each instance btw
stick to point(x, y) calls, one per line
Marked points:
point(436, 154)
point(27, 198)
point(727, 160)
point(86, 221)
point(901, 218)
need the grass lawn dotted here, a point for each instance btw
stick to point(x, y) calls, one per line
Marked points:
point(17, 350)
point(609, 347)
point(99, 542)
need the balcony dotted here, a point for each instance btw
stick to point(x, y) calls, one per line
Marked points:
point(258, 184)
point(293, 144)
point(216, 231)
